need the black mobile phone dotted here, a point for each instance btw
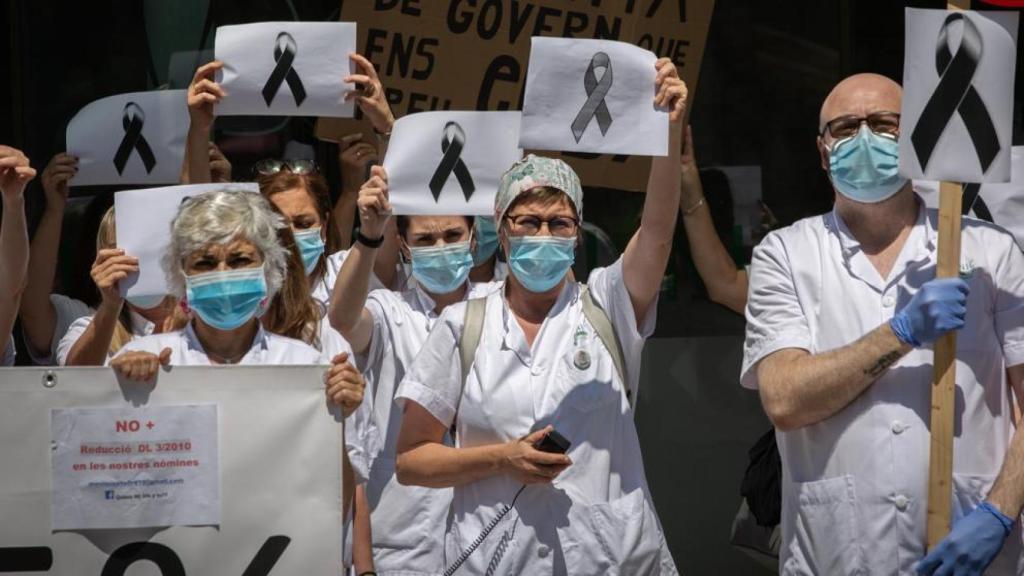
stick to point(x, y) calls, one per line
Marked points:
point(553, 442)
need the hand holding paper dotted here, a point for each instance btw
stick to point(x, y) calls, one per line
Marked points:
point(374, 206)
point(203, 95)
point(370, 98)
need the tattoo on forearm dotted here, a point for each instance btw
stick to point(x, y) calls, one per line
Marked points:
point(883, 363)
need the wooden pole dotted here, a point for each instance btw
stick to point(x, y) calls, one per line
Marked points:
point(940, 472)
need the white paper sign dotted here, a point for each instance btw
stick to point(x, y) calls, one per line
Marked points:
point(1001, 204)
point(443, 163)
point(135, 467)
point(957, 112)
point(286, 68)
point(133, 139)
point(280, 449)
point(592, 96)
point(144, 230)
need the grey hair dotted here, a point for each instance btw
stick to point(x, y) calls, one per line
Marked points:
point(220, 217)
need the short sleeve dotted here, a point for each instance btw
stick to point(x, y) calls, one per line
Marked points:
point(66, 310)
point(362, 440)
point(775, 318)
point(1008, 312)
point(74, 332)
point(608, 288)
point(378, 304)
point(434, 380)
point(7, 359)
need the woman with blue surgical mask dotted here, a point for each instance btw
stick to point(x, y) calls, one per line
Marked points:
point(536, 382)
point(225, 264)
point(386, 330)
point(93, 339)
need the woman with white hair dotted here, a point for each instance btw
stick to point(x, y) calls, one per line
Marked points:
point(547, 354)
point(225, 264)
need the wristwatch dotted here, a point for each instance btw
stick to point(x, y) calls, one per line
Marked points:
point(369, 242)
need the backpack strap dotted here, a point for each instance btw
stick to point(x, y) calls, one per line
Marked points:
point(472, 328)
point(606, 333)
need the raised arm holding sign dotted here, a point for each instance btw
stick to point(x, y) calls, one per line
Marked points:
point(956, 128)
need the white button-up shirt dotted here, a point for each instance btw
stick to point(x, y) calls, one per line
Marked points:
point(597, 516)
point(854, 493)
point(267, 348)
point(408, 521)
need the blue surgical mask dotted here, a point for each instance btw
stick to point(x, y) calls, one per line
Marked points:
point(540, 262)
point(227, 299)
point(311, 245)
point(486, 239)
point(442, 269)
point(865, 168)
point(145, 301)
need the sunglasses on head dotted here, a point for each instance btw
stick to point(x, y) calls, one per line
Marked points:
point(270, 166)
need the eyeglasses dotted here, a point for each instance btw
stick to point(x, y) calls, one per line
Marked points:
point(529, 225)
point(270, 166)
point(881, 123)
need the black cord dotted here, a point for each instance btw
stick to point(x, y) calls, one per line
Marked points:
point(450, 570)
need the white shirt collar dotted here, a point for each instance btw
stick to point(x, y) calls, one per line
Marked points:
point(259, 342)
point(140, 325)
point(514, 338)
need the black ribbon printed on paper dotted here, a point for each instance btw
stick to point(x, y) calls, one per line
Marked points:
point(956, 95)
point(452, 144)
point(132, 120)
point(973, 201)
point(284, 54)
point(597, 90)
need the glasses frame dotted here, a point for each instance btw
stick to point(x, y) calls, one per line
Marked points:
point(861, 120)
point(543, 223)
point(295, 166)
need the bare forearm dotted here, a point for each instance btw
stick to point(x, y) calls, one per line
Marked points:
point(362, 533)
point(92, 347)
point(647, 253)
point(799, 389)
point(14, 256)
point(38, 317)
point(1007, 493)
point(726, 285)
point(435, 465)
point(197, 155)
point(348, 298)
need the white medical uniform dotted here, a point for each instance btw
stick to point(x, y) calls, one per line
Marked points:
point(408, 521)
point(67, 310)
point(322, 289)
point(139, 325)
point(854, 492)
point(8, 356)
point(597, 516)
point(267, 348)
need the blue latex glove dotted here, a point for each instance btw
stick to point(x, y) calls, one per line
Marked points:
point(972, 544)
point(938, 307)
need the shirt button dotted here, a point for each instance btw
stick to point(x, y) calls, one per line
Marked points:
point(543, 551)
point(898, 427)
point(888, 301)
point(901, 502)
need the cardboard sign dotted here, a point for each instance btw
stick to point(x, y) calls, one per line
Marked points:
point(133, 139)
point(472, 55)
point(285, 68)
point(957, 117)
point(443, 163)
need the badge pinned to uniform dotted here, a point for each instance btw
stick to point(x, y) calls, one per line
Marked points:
point(581, 360)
